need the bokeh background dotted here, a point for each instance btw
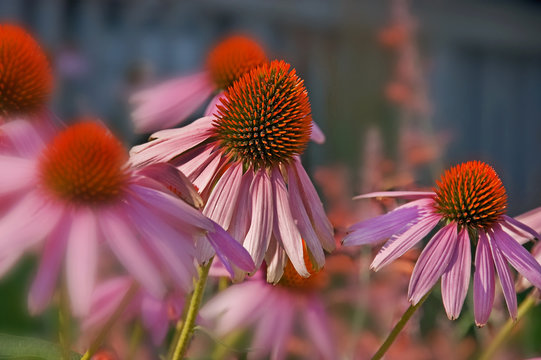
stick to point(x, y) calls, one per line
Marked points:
point(402, 89)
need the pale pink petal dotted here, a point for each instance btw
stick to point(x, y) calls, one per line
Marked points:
point(432, 262)
point(282, 328)
point(317, 325)
point(531, 218)
point(504, 274)
point(213, 105)
point(276, 261)
point(284, 228)
point(105, 300)
point(7, 261)
point(303, 222)
point(204, 179)
point(240, 221)
point(513, 222)
point(81, 260)
point(399, 244)
point(203, 249)
point(483, 281)
point(23, 135)
point(229, 250)
point(259, 234)
point(374, 230)
point(16, 174)
point(167, 144)
point(456, 279)
point(222, 202)
point(171, 103)
point(174, 180)
point(317, 135)
point(406, 195)
point(518, 257)
point(125, 244)
point(43, 286)
point(155, 319)
point(313, 206)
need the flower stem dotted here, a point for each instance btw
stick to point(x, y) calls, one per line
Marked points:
point(64, 324)
point(398, 328)
point(506, 330)
point(98, 341)
point(185, 331)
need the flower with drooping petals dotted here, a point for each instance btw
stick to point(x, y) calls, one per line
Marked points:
point(468, 208)
point(245, 161)
point(169, 104)
point(274, 311)
point(78, 192)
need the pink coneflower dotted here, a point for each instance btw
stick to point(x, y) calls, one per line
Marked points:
point(273, 311)
point(26, 84)
point(468, 208)
point(156, 314)
point(246, 162)
point(79, 192)
point(171, 103)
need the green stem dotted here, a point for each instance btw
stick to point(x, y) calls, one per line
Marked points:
point(135, 338)
point(185, 331)
point(64, 324)
point(98, 341)
point(506, 330)
point(398, 328)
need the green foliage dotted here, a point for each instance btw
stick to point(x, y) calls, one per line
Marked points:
point(22, 348)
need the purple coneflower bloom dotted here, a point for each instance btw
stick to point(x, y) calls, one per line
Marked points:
point(245, 161)
point(468, 209)
point(273, 310)
point(78, 192)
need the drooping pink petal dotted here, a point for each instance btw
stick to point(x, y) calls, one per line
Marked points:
point(398, 245)
point(284, 228)
point(204, 250)
point(171, 103)
point(282, 328)
point(105, 300)
point(229, 250)
point(240, 221)
point(126, 245)
point(303, 222)
point(456, 279)
point(318, 328)
point(24, 136)
point(82, 260)
point(531, 218)
point(260, 231)
point(406, 195)
point(483, 281)
point(276, 259)
point(167, 144)
point(513, 222)
point(518, 257)
point(432, 262)
point(155, 319)
point(374, 230)
point(213, 104)
point(313, 205)
point(317, 135)
point(504, 274)
point(222, 202)
point(8, 260)
point(43, 286)
point(17, 174)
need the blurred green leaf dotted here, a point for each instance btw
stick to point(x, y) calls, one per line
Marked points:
point(22, 348)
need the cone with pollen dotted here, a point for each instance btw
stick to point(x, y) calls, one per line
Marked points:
point(293, 281)
point(25, 75)
point(468, 211)
point(265, 118)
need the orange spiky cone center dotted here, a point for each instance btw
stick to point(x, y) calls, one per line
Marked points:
point(25, 75)
point(84, 164)
point(472, 195)
point(265, 118)
point(232, 58)
point(293, 281)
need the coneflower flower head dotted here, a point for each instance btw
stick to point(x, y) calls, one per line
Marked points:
point(469, 204)
point(25, 75)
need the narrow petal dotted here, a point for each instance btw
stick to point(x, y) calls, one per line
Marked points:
point(303, 222)
point(276, 261)
point(398, 245)
point(318, 328)
point(43, 286)
point(432, 262)
point(406, 195)
point(229, 250)
point(531, 218)
point(282, 328)
point(17, 174)
point(105, 300)
point(155, 319)
point(456, 279)
point(374, 230)
point(240, 221)
point(518, 257)
point(81, 261)
point(134, 257)
point(24, 137)
point(284, 228)
point(313, 205)
point(510, 221)
point(483, 281)
point(506, 280)
point(223, 199)
point(213, 105)
point(317, 135)
point(169, 104)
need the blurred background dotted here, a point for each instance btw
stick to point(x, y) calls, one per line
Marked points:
point(402, 89)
